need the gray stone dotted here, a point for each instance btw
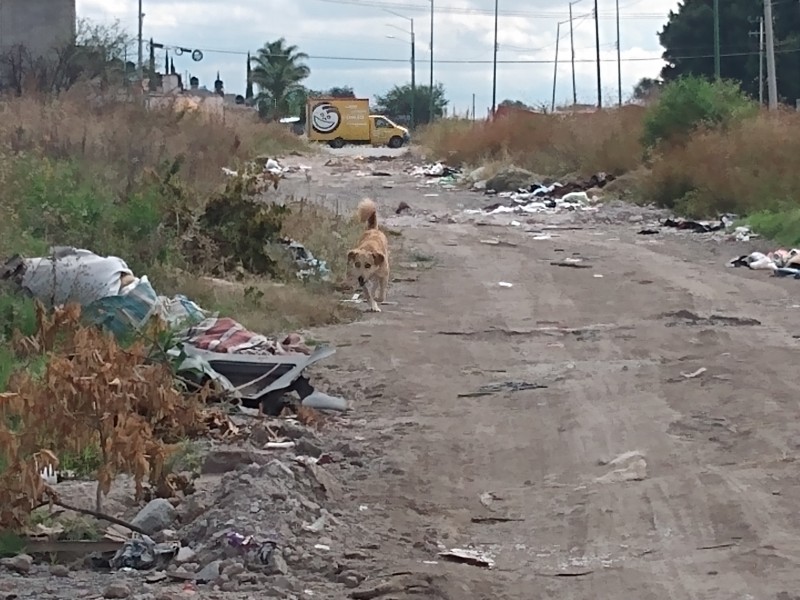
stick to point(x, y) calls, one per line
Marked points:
point(278, 564)
point(59, 571)
point(156, 516)
point(210, 572)
point(117, 589)
point(233, 569)
point(19, 564)
point(185, 555)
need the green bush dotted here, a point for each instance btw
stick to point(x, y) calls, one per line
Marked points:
point(690, 102)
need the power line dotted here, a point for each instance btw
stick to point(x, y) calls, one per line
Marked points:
point(480, 11)
point(507, 62)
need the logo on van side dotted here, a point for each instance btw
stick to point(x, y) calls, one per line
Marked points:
point(325, 118)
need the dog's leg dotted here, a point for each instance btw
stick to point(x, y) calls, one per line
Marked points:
point(373, 306)
point(383, 283)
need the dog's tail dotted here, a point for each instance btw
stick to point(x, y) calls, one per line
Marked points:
point(367, 211)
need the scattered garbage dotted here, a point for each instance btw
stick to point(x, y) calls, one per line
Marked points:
point(724, 222)
point(308, 266)
point(783, 263)
point(250, 367)
point(632, 466)
point(694, 374)
point(468, 556)
point(541, 198)
point(505, 284)
point(506, 386)
point(251, 548)
point(402, 208)
point(142, 553)
point(438, 169)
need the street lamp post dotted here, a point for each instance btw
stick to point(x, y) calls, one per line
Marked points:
point(413, 120)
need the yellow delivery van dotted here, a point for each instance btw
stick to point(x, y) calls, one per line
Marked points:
point(340, 121)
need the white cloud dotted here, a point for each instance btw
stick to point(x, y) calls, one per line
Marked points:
point(527, 31)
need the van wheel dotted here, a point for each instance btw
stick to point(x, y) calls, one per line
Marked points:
point(337, 143)
point(396, 142)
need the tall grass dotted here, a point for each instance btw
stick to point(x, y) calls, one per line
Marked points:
point(554, 145)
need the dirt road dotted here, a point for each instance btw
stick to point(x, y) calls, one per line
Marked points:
point(605, 351)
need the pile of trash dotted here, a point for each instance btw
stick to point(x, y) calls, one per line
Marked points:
point(438, 173)
point(262, 164)
point(247, 366)
point(552, 198)
point(782, 263)
point(722, 225)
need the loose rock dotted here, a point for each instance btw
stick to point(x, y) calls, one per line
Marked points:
point(156, 515)
point(117, 589)
point(19, 564)
point(59, 571)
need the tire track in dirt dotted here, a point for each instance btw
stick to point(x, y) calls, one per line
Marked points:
point(719, 492)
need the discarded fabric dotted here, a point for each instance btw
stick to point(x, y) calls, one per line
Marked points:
point(142, 553)
point(225, 335)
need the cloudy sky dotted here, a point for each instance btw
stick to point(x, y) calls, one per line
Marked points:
point(361, 44)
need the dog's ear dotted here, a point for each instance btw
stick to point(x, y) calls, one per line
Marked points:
point(352, 255)
point(378, 258)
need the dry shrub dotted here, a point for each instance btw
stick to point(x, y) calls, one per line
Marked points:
point(554, 145)
point(120, 132)
point(92, 393)
point(753, 165)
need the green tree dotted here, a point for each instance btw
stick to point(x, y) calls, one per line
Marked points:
point(690, 102)
point(646, 88)
point(397, 102)
point(344, 91)
point(248, 94)
point(688, 41)
point(278, 72)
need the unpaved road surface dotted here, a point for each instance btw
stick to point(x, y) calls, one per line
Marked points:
point(583, 365)
point(714, 515)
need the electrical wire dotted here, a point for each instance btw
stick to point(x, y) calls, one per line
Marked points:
point(367, 59)
point(480, 11)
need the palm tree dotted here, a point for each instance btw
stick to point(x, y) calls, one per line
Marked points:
point(278, 70)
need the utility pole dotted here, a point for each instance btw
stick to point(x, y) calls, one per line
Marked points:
point(494, 60)
point(430, 91)
point(760, 34)
point(555, 69)
point(413, 120)
point(140, 65)
point(717, 64)
point(572, 55)
point(473, 107)
point(597, 49)
point(413, 77)
point(772, 84)
point(619, 61)
point(761, 61)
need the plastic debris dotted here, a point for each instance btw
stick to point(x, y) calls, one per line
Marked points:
point(140, 552)
point(468, 556)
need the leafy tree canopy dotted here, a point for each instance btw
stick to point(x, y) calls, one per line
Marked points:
point(688, 41)
point(397, 102)
point(278, 70)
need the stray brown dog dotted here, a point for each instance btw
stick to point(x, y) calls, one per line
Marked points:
point(369, 260)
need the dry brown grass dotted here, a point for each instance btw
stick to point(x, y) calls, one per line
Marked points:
point(264, 306)
point(553, 145)
point(753, 166)
point(116, 133)
point(105, 173)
